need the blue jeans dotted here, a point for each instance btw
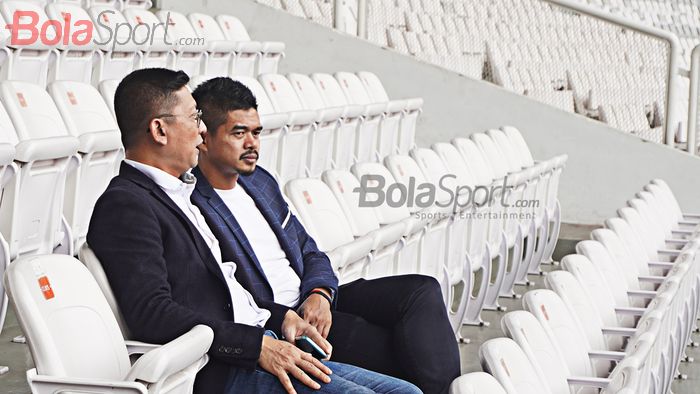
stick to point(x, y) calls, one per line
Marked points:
point(346, 379)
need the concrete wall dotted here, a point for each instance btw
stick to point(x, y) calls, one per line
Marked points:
point(606, 167)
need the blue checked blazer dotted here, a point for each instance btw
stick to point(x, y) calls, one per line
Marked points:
point(312, 265)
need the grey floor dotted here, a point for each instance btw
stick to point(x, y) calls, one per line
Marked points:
point(17, 356)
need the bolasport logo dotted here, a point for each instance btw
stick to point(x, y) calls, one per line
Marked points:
point(25, 29)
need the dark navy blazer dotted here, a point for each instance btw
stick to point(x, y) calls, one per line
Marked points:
point(312, 265)
point(165, 278)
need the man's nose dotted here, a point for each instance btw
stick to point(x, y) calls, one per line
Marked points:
point(202, 128)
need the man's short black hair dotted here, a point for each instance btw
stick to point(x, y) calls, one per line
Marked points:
point(141, 96)
point(219, 96)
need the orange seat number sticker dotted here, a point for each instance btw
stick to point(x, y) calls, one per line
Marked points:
point(45, 287)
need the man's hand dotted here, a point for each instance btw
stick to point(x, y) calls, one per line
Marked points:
point(281, 359)
point(294, 326)
point(317, 311)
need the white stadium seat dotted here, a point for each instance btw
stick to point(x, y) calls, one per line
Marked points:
point(157, 50)
point(33, 221)
point(68, 305)
point(269, 52)
point(220, 56)
point(88, 118)
point(189, 54)
point(115, 60)
point(74, 62)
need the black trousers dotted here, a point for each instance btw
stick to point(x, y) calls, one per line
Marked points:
point(397, 326)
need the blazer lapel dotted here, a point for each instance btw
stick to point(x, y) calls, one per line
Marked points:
point(257, 195)
point(217, 205)
point(141, 179)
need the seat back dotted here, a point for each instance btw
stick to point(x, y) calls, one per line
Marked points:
point(88, 118)
point(77, 66)
point(619, 254)
point(281, 93)
point(510, 153)
point(33, 223)
point(377, 177)
point(158, 52)
point(322, 216)
point(503, 358)
point(518, 141)
point(374, 86)
point(562, 328)
point(306, 91)
point(112, 66)
point(569, 289)
point(354, 90)
point(405, 170)
point(475, 161)
point(493, 155)
point(527, 332)
point(232, 28)
point(633, 245)
point(29, 61)
point(593, 285)
point(93, 264)
point(70, 328)
point(188, 58)
point(435, 172)
point(476, 383)
point(330, 90)
point(343, 185)
point(206, 27)
point(107, 89)
point(612, 273)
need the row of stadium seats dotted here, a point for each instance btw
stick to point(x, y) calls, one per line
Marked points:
point(197, 44)
point(618, 317)
point(483, 243)
point(533, 48)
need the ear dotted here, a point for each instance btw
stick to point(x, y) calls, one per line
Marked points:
point(157, 129)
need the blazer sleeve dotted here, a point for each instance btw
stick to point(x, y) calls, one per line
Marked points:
point(126, 236)
point(318, 271)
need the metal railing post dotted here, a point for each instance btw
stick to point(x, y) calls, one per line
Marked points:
point(693, 100)
point(362, 18)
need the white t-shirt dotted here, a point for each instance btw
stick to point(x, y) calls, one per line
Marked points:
point(283, 279)
point(245, 310)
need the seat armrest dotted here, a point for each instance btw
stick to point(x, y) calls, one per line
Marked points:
point(329, 114)
point(352, 111)
point(631, 311)
point(414, 104)
point(395, 106)
point(683, 232)
point(351, 252)
point(606, 355)
point(7, 153)
point(100, 141)
point(677, 241)
point(374, 109)
point(588, 381)
point(648, 294)
point(220, 46)
point(247, 46)
point(273, 47)
point(136, 347)
point(274, 121)
point(301, 118)
point(53, 384)
point(661, 264)
point(173, 356)
point(620, 331)
point(387, 235)
point(651, 279)
point(669, 252)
